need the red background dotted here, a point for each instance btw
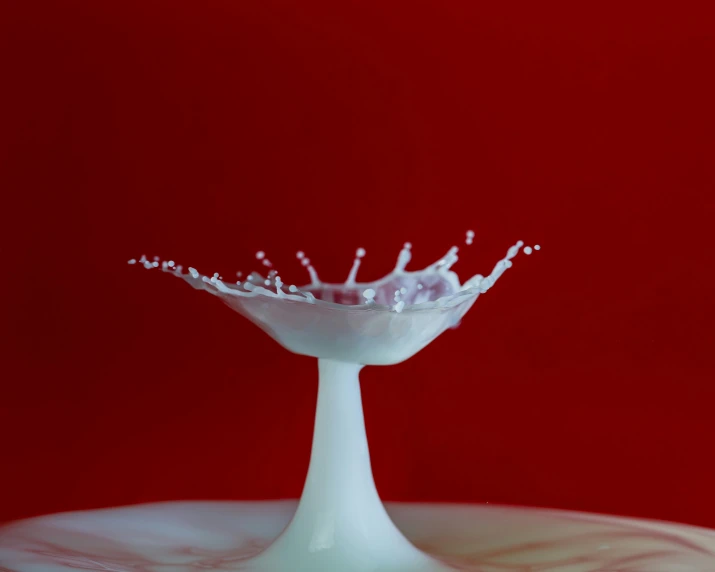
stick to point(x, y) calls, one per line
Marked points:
point(205, 131)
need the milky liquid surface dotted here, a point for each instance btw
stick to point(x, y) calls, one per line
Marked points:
point(223, 536)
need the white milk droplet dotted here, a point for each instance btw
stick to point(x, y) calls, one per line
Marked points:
point(403, 258)
point(359, 253)
point(477, 283)
point(446, 262)
point(314, 280)
point(485, 283)
point(132, 261)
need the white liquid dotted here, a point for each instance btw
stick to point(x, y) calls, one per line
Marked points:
point(341, 524)
point(356, 265)
point(258, 285)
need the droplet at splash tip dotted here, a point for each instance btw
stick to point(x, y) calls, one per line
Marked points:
point(435, 285)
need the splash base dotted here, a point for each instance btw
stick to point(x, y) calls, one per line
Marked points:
point(227, 536)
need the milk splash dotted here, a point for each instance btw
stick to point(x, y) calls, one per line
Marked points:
point(341, 523)
point(433, 286)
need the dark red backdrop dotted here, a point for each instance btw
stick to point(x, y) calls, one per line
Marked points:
point(204, 131)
